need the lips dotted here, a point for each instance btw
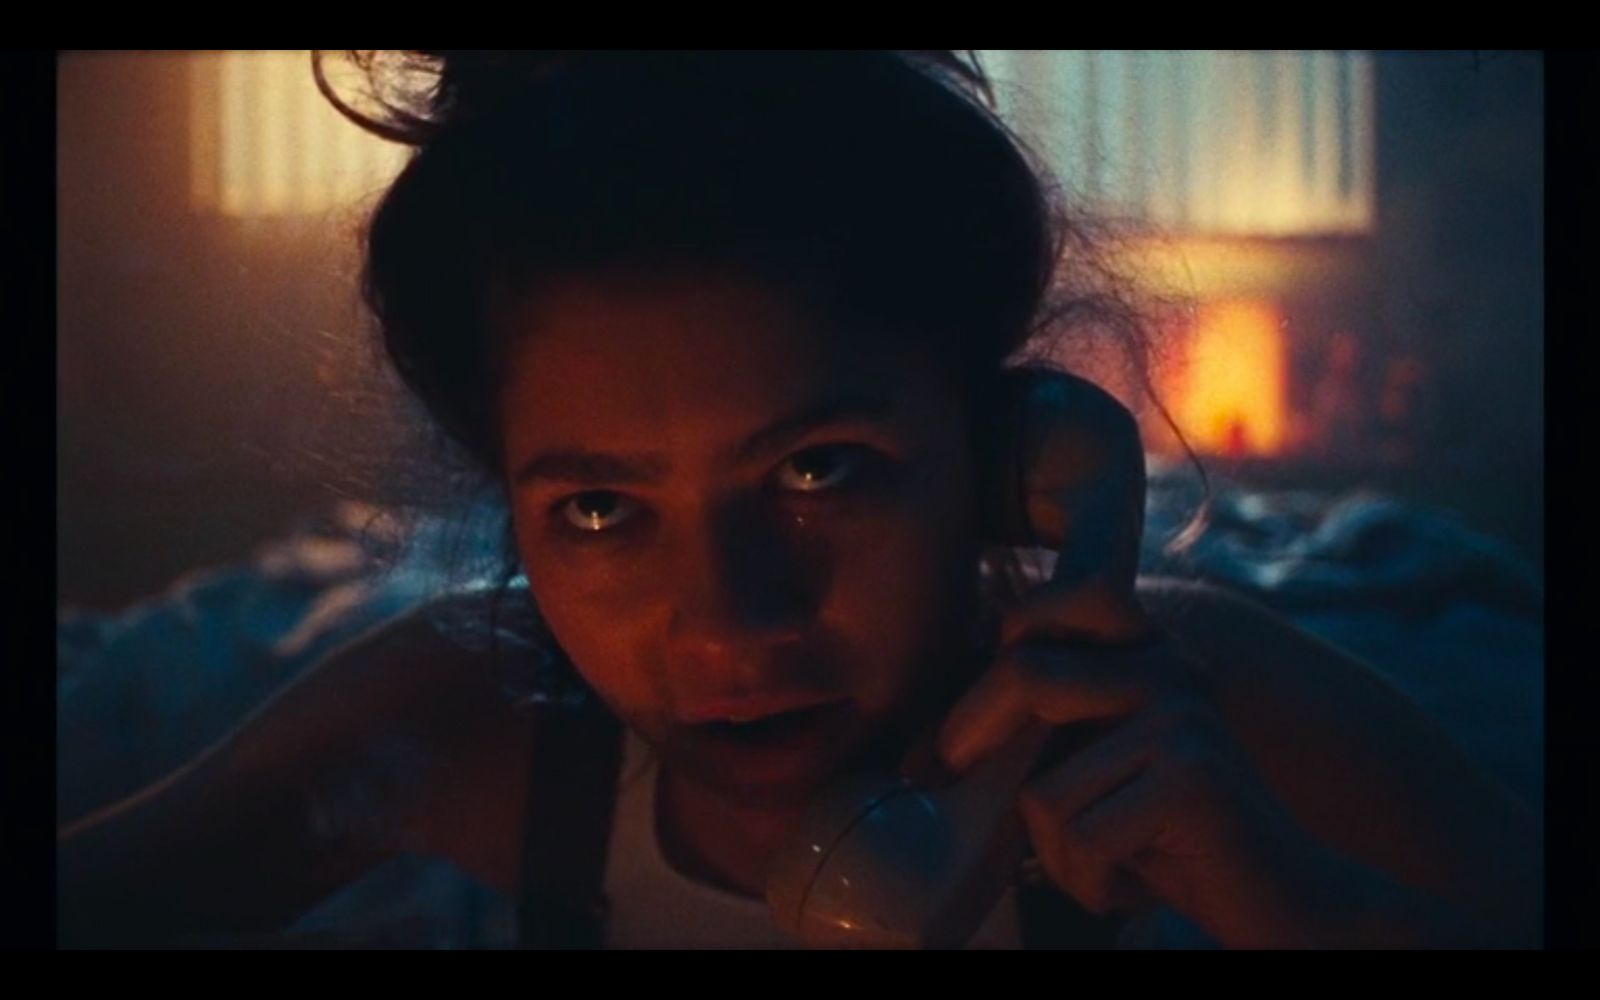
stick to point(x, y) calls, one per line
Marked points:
point(774, 748)
point(776, 727)
point(745, 711)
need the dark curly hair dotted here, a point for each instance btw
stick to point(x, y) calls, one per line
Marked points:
point(880, 184)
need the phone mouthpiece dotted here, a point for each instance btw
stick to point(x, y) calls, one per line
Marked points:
point(880, 863)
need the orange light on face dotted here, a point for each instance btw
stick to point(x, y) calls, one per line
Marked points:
point(1229, 393)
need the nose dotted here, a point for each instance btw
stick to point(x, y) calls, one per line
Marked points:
point(740, 591)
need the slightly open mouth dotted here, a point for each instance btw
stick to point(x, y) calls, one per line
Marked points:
point(772, 728)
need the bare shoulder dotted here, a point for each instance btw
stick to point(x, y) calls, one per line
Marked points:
point(1359, 765)
point(1201, 608)
point(1229, 631)
point(1278, 682)
point(1176, 594)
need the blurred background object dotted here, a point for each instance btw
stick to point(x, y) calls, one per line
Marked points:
point(1360, 236)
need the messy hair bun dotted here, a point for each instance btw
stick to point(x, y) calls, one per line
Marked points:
point(410, 95)
point(880, 185)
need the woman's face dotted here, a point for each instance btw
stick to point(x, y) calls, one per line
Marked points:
point(752, 530)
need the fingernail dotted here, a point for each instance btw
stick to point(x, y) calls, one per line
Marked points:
point(953, 755)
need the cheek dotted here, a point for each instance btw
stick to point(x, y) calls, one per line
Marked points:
point(903, 595)
point(595, 608)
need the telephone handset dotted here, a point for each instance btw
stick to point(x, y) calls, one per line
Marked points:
point(880, 863)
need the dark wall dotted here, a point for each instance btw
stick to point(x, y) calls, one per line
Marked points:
point(194, 353)
point(1459, 274)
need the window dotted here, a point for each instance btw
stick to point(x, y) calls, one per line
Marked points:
point(266, 143)
point(1203, 143)
point(1214, 143)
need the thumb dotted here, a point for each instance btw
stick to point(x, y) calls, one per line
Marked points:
point(1094, 610)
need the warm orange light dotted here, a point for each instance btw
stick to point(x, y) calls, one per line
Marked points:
point(266, 143)
point(1237, 144)
point(1229, 393)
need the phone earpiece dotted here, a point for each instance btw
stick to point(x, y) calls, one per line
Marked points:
point(1063, 469)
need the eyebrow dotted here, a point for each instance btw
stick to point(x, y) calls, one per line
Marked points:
point(575, 465)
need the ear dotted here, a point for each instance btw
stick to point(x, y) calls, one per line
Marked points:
point(1064, 469)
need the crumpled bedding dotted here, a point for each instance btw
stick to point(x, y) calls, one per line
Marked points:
point(1452, 618)
point(140, 691)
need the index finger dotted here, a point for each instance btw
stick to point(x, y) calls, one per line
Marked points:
point(1095, 610)
point(1058, 684)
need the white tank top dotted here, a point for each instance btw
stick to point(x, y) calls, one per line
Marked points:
point(655, 906)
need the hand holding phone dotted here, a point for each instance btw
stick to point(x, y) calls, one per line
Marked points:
point(1156, 799)
point(880, 862)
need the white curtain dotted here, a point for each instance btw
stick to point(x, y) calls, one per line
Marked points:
point(266, 143)
point(1227, 143)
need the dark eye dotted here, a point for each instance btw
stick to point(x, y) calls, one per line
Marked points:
point(817, 469)
point(597, 510)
